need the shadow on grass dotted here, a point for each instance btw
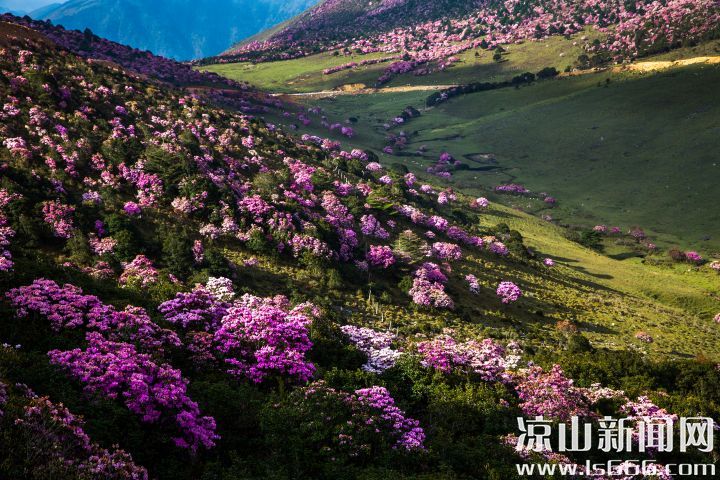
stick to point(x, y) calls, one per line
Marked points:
point(626, 255)
point(500, 214)
point(595, 328)
point(603, 276)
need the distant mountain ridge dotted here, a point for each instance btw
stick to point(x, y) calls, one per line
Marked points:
point(8, 7)
point(42, 12)
point(179, 29)
point(22, 7)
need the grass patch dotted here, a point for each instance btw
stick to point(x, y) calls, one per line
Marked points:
point(617, 148)
point(304, 75)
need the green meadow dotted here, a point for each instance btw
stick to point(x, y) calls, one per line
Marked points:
point(619, 148)
point(614, 147)
point(626, 149)
point(304, 75)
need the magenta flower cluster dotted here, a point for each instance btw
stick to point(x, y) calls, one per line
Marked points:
point(551, 394)
point(446, 251)
point(428, 288)
point(371, 227)
point(59, 217)
point(473, 283)
point(694, 257)
point(485, 358)
point(59, 438)
point(376, 403)
point(512, 188)
point(198, 309)
point(140, 271)
point(508, 292)
point(380, 256)
point(152, 391)
point(4, 397)
point(261, 338)
point(6, 233)
point(362, 418)
point(67, 307)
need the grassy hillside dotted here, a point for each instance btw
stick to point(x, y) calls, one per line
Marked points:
point(190, 292)
point(614, 148)
point(602, 143)
point(306, 74)
point(609, 299)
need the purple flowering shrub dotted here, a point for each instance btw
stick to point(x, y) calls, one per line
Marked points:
point(550, 394)
point(3, 397)
point(67, 307)
point(6, 232)
point(508, 292)
point(428, 289)
point(380, 256)
point(55, 445)
point(261, 338)
point(59, 217)
point(154, 392)
point(376, 345)
point(352, 426)
point(486, 358)
point(199, 309)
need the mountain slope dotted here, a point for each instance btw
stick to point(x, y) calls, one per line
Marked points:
point(192, 289)
point(662, 148)
point(43, 11)
point(9, 7)
point(239, 95)
point(426, 37)
point(180, 29)
point(483, 43)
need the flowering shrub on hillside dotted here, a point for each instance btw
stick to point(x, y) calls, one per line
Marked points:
point(59, 217)
point(6, 233)
point(473, 283)
point(380, 256)
point(550, 394)
point(485, 358)
point(55, 440)
point(508, 292)
point(152, 391)
point(67, 307)
point(376, 345)
point(199, 309)
point(140, 271)
point(261, 338)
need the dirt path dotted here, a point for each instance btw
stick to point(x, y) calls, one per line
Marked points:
point(663, 65)
point(648, 66)
point(363, 90)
